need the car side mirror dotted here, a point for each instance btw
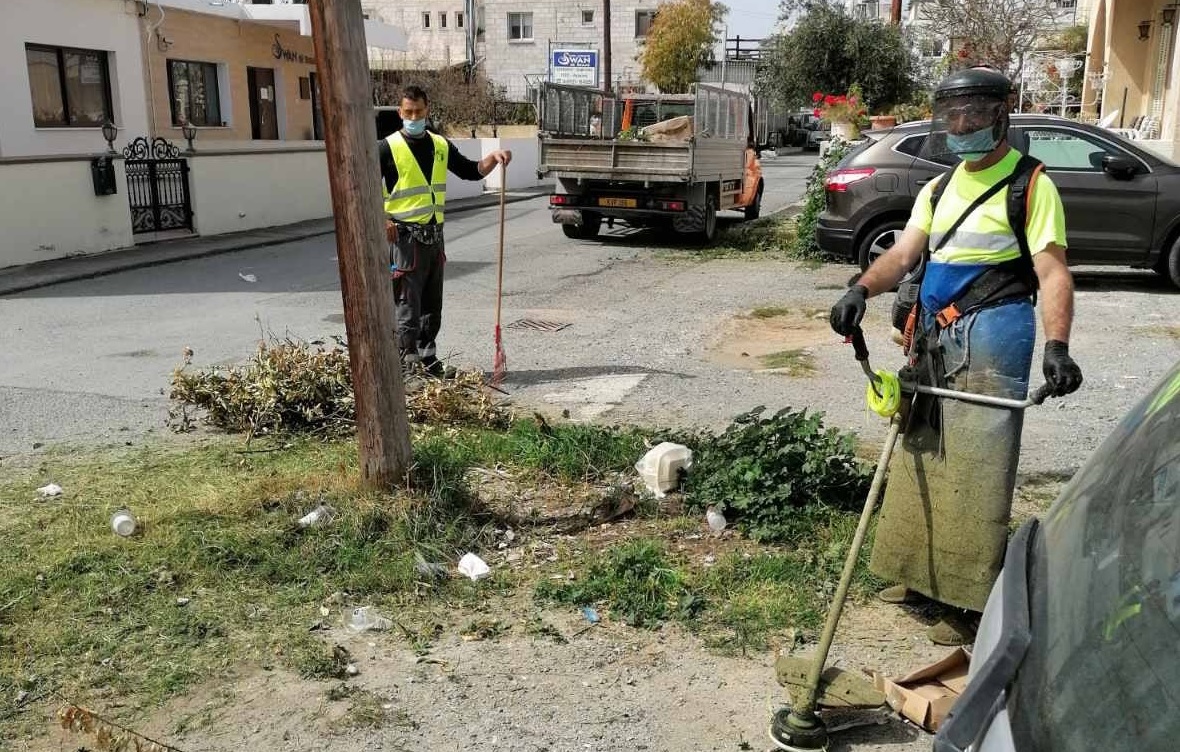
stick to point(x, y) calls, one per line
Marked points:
point(1120, 167)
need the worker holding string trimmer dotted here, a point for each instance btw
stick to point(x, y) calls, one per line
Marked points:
point(991, 232)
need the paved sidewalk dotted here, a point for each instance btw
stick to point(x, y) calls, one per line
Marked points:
point(32, 276)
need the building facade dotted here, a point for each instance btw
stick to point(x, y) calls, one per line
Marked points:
point(78, 72)
point(514, 40)
point(1132, 69)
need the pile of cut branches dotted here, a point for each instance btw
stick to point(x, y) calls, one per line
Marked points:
point(291, 386)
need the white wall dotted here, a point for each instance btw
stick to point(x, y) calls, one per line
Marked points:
point(48, 210)
point(456, 188)
point(1166, 149)
point(107, 25)
point(522, 172)
point(248, 190)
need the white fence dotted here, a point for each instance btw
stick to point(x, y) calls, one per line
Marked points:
point(48, 210)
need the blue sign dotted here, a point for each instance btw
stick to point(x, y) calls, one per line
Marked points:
point(574, 67)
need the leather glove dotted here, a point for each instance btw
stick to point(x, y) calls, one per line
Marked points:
point(1061, 372)
point(849, 310)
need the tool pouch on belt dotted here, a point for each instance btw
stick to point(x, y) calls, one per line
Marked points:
point(926, 366)
point(431, 234)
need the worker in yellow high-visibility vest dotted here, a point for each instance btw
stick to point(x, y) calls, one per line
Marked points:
point(414, 166)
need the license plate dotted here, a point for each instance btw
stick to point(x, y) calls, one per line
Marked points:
point(619, 203)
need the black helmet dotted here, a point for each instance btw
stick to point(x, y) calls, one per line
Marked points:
point(967, 105)
point(978, 81)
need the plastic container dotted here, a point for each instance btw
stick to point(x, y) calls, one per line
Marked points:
point(123, 523)
point(366, 619)
point(661, 467)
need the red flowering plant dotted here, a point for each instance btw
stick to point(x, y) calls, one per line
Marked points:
point(840, 108)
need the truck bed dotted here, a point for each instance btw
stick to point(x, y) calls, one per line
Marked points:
point(702, 160)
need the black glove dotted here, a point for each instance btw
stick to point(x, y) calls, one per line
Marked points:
point(1061, 372)
point(849, 310)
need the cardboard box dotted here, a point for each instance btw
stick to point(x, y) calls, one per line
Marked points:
point(928, 694)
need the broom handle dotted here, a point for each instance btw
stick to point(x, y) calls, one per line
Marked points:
point(500, 273)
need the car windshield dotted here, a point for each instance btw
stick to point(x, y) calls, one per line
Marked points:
point(1103, 669)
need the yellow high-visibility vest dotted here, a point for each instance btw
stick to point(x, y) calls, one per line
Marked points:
point(414, 200)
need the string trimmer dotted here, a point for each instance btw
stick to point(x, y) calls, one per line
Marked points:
point(800, 728)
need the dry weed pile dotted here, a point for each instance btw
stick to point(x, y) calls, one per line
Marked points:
point(290, 386)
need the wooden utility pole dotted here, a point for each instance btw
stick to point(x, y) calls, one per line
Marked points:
point(607, 86)
point(350, 134)
point(895, 13)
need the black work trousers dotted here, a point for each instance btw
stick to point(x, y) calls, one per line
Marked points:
point(418, 293)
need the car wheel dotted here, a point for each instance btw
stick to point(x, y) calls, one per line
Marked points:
point(755, 209)
point(878, 240)
point(1170, 266)
point(588, 230)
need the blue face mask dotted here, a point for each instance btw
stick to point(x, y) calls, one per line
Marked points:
point(972, 146)
point(414, 127)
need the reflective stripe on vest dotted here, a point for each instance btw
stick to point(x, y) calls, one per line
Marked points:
point(414, 200)
point(984, 237)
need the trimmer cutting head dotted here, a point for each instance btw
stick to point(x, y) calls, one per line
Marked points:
point(797, 733)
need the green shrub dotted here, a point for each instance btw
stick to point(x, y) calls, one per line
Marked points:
point(767, 472)
point(814, 199)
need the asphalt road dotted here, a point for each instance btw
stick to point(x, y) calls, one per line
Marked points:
point(89, 361)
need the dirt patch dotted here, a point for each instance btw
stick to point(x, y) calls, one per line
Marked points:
point(771, 338)
point(1161, 331)
point(525, 692)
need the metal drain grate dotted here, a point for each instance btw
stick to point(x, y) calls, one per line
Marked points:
point(537, 325)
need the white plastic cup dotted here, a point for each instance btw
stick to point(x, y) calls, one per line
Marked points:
point(320, 515)
point(123, 523)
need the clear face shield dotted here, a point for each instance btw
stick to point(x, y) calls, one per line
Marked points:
point(967, 127)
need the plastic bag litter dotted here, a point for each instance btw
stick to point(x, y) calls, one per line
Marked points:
point(367, 619)
point(49, 491)
point(429, 569)
point(716, 519)
point(474, 567)
point(321, 515)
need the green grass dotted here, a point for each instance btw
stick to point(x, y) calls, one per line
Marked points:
point(95, 616)
point(770, 312)
point(767, 239)
point(740, 604)
point(85, 611)
point(791, 362)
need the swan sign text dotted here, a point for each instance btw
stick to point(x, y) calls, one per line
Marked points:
point(574, 67)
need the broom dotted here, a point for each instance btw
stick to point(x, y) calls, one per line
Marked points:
point(500, 361)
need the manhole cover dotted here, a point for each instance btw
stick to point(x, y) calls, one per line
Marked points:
point(537, 325)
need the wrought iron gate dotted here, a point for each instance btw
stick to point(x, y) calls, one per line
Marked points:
point(157, 186)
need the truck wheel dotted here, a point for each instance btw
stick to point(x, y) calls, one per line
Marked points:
point(754, 210)
point(709, 234)
point(588, 230)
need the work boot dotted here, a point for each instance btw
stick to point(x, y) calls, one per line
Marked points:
point(953, 631)
point(436, 368)
point(897, 595)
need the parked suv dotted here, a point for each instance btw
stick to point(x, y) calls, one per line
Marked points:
point(1122, 203)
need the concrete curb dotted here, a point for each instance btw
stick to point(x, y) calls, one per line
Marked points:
point(47, 273)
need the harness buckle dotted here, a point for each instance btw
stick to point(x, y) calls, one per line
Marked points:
point(948, 315)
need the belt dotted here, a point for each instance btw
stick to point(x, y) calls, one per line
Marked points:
point(431, 234)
